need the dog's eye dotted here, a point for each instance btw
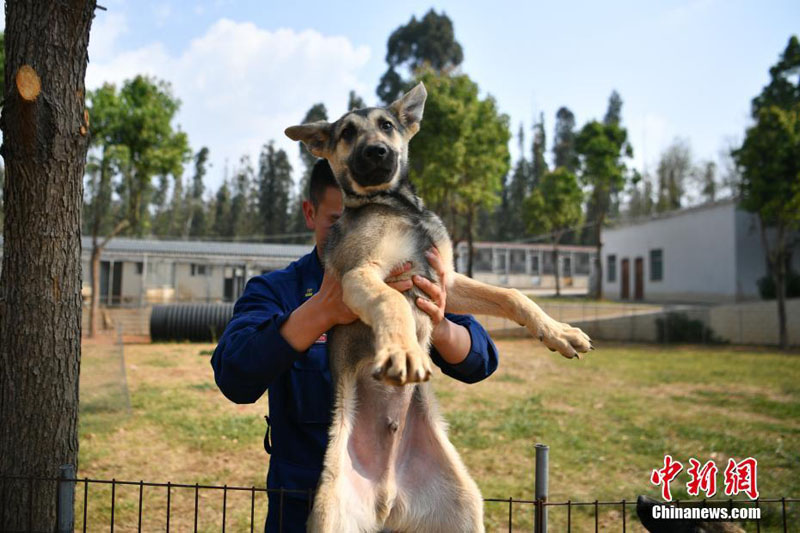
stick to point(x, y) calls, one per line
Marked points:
point(387, 126)
point(348, 133)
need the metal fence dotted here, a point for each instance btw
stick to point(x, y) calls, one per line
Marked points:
point(747, 323)
point(76, 517)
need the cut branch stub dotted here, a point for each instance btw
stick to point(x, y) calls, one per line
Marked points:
point(28, 83)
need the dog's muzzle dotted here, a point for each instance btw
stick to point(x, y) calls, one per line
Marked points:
point(373, 164)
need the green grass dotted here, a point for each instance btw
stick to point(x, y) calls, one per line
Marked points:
point(609, 420)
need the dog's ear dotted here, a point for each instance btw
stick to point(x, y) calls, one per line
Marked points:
point(314, 135)
point(408, 109)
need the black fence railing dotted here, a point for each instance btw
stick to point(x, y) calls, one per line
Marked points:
point(71, 497)
point(140, 517)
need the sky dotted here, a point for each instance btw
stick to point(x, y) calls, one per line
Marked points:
point(244, 70)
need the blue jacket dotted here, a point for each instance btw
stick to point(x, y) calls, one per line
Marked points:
point(253, 357)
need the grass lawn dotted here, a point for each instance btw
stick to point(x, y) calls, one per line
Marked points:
point(609, 420)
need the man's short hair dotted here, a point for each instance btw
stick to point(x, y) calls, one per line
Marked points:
point(321, 179)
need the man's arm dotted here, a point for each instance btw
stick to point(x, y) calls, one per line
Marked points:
point(461, 347)
point(251, 352)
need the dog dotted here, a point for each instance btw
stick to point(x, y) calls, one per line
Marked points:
point(389, 464)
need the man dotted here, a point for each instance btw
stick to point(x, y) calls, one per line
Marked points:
point(276, 342)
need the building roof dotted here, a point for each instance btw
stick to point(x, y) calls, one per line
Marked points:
point(624, 222)
point(198, 249)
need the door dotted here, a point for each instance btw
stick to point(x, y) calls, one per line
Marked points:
point(625, 293)
point(116, 284)
point(639, 279)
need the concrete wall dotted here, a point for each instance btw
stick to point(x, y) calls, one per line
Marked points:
point(209, 287)
point(699, 255)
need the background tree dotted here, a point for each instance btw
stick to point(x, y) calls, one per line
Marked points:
point(317, 112)
point(428, 42)
point(274, 189)
point(509, 212)
point(553, 208)
point(564, 154)
point(602, 147)
point(614, 110)
point(674, 170)
point(538, 162)
point(769, 159)
point(197, 222)
point(354, 101)
point(136, 141)
point(468, 175)
point(244, 203)
point(641, 202)
point(44, 146)
point(706, 177)
point(223, 225)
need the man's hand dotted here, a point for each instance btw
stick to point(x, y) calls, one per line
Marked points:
point(330, 295)
point(330, 300)
point(437, 294)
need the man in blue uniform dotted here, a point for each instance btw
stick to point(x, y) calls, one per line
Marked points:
point(276, 342)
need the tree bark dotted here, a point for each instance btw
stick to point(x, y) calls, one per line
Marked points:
point(598, 260)
point(776, 269)
point(40, 285)
point(780, 287)
point(555, 266)
point(97, 250)
point(470, 243)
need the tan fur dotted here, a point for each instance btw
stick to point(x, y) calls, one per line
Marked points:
point(412, 479)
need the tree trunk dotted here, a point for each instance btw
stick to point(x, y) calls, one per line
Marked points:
point(44, 133)
point(776, 269)
point(97, 250)
point(598, 260)
point(780, 287)
point(556, 269)
point(470, 243)
point(95, 278)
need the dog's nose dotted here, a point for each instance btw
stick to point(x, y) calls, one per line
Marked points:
point(376, 152)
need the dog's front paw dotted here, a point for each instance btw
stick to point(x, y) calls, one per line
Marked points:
point(397, 363)
point(563, 338)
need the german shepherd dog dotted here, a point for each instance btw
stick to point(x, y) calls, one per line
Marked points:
point(389, 464)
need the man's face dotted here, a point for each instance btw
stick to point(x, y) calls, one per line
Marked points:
point(321, 218)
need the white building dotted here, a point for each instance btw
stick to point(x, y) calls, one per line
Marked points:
point(141, 272)
point(528, 266)
point(710, 253)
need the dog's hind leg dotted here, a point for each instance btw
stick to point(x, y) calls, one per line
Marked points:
point(435, 493)
point(343, 501)
point(466, 295)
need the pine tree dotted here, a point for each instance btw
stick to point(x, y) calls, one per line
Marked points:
point(197, 221)
point(223, 224)
point(274, 189)
point(429, 42)
point(538, 163)
point(354, 101)
point(298, 225)
point(564, 154)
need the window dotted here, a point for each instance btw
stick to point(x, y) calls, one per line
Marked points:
point(611, 268)
point(566, 267)
point(198, 270)
point(139, 267)
point(656, 265)
point(535, 265)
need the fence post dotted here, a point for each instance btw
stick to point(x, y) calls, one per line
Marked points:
point(540, 487)
point(66, 499)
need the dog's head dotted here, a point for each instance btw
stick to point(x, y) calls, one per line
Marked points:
point(367, 148)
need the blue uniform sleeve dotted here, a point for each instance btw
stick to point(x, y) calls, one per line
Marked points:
point(481, 361)
point(251, 352)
